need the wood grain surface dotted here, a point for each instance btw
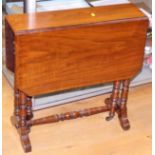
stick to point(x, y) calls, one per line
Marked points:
point(54, 19)
point(62, 50)
point(10, 49)
point(79, 56)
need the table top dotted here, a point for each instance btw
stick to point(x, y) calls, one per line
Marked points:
point(56, 19)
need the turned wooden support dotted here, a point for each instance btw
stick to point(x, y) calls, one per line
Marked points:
point(16, 120)
point(23, 112)
point(114, 99)
point(68, 115)
point(124, 94)
point(122, 112)
point(16, 103)
point(120, 105)
point(29, 108)
point(24, 129)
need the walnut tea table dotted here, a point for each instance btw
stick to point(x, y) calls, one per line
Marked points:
point(50, 52)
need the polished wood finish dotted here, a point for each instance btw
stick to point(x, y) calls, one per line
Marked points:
point(122, 113)
point(24, 130)
point(60, 63)
point(114, 99)
point(20, 118)
point(25, 23)
point(9, 41)
point(16, 108)
point(51, 60)
point(29, 108)
point(117, 103)
point(53, 56)
point(68, 115)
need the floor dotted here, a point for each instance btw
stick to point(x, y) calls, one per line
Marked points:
point(90, 135)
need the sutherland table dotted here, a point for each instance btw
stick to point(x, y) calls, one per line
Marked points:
point(51, 52)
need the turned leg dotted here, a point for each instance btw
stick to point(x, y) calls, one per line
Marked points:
point(24, 129)
point(29, 108)
point(15, 119)
point(112, 101)
point(122, 112)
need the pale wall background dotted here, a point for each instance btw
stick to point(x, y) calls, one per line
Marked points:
point(147, 2)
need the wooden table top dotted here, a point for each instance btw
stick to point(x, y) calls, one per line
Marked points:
point(45, 20)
